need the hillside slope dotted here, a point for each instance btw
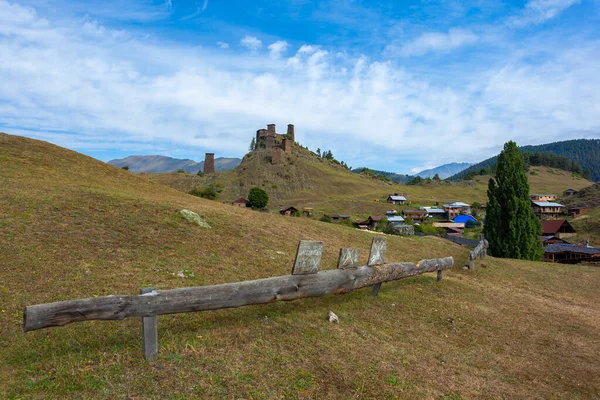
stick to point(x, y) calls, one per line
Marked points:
point(75, 227)
point(158, 164)
point(305, 180)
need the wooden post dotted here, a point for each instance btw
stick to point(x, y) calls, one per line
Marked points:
point(149, 333)
point(439, 275)
point(308, 257)
point(348, 258)
point(377, 257)
point(471, 261)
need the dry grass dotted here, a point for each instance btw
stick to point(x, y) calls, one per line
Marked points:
point(74, 227)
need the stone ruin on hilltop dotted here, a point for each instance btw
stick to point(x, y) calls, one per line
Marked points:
point(278, 143)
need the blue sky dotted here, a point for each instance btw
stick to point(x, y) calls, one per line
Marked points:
point(395, 85)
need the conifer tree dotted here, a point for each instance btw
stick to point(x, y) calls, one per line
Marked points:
point(511, 227)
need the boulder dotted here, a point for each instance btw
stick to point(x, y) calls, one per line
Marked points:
point(194, 218)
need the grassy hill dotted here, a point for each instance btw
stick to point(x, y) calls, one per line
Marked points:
point(74, 227)
point(304, 180)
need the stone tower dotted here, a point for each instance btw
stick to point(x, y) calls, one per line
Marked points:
point(271, 130)
point(290, 133)
point(209, 163)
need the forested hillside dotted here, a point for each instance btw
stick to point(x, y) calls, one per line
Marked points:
point(581, 156)
point(400, 178)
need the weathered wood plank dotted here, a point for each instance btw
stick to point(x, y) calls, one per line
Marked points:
point(228, 295)
point(376, 257)
point(308, 257)
point(149, 333)
point(348, 258)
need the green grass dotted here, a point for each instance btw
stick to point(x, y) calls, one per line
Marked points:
point(73, 227)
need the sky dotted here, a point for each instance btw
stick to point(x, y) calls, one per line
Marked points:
point(398, 86)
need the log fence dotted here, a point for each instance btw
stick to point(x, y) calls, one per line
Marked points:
point(479, 251)
point(305, 281)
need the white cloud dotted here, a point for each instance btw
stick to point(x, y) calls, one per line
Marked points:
point(204, 5)
point(277, 48)
point(433, 42)
point(538, 11)
point(95, 87)
point(251, 42)
point(222, 45)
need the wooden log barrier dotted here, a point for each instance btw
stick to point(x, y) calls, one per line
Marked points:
point(227, 295)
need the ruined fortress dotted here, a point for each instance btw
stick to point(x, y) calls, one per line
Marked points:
point(268, 139)
point(276, 142)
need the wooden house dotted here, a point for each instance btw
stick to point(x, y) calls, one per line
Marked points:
point(570, 253)
point(543, 197)
point(371, 222)
point(241, 202)
point(338, 217)
point(307, 212)
point(575, 211)
point(288, 211)
point(415, 215)
point(557, 227)
point(396, 199)
point(546, 209)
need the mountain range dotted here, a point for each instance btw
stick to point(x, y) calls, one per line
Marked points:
point(159, 164)
point(444, 171)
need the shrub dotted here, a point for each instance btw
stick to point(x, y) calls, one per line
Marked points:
point(180, 171)
point(258, 198)
point(200, 173)
point(126, 167)
point(325, 218)
point(207, 192)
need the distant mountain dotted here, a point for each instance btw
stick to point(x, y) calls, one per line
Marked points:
point(400, 178)
point(158, 164)
point(444, 171)
point(585, 152)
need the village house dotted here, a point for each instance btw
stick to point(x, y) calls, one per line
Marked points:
point(575, 211)
point(338, 217)
point(396, 198)
point(451, 211)
point(543, 197)
point(546, 209)
point(551, 239)
point(434, 212)
point(455, 228)
point(570, 192)
point(465, 219)
point(241, 202)
point(288, 211)
point(307, 212)
point(371, 222)
point(415, 215)
point(395, 220)
point(570, 253)
point(558, 227)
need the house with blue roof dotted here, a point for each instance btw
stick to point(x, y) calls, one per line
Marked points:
point(464, 219)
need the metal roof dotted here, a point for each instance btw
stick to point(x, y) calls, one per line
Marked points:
point(435, 210)
point(397, 198)
point(460, 204)
point(570, 248)
point(546, 204)
point(396, 219)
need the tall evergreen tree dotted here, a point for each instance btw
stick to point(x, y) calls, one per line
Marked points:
point(511, 227)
